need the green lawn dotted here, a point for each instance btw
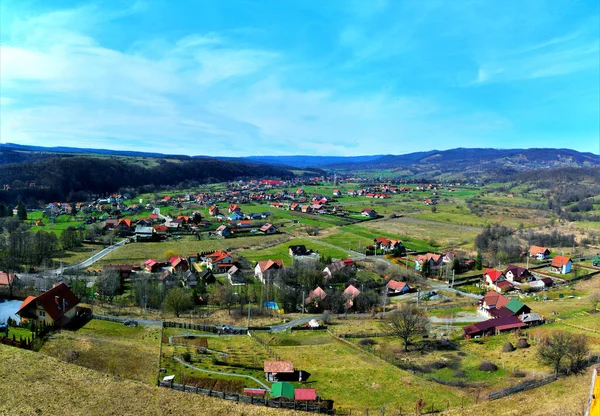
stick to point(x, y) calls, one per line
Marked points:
point(281, 251)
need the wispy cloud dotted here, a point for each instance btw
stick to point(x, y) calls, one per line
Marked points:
point(383, 80)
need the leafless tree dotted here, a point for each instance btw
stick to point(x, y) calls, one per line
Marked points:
point(108, 283)
point(553, 349)
point(595, 300)
point(577, 351)
point(407, 322)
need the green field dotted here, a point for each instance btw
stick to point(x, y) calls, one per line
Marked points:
point(138, 253)
point(281, 251)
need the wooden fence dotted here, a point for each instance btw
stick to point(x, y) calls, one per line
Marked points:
point(321, 407)
point(517, 388)
point(201, 327)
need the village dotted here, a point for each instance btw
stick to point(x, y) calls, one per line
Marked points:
point(248, 294)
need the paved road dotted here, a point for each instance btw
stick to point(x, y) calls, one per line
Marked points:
point(93, 259)
point(180, 361)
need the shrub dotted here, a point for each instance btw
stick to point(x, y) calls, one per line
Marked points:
point(522, 343)
point(438, 365)
point(508, 347)
point(460, 374)
point(488, 366)
point(462, 353)
point(187, 357)
point(518, 374)
point(367, 342)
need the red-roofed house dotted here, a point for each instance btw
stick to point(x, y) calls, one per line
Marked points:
point(213, 211)
point(179, 263)
point(336, 266)
point(561, 264)
point(336, 192)
point(435, 261)
point(496, 280)
point(368, 212)
point(539, 253)
point(7, 280)
point(265, 267)
point(397, 288)
point(351, 292)
point(275, 369)
point(492, 300)
point(54, 307)
point(233, 208)
point(316, 296)
point(268, 229)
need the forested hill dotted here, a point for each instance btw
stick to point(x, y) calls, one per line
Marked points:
point(56, 177)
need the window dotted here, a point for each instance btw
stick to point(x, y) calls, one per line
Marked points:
point(42, 314)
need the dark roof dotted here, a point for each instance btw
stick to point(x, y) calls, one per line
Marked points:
point(501, 313)
point(54, 300)
point(502, 323)
point(517, 271)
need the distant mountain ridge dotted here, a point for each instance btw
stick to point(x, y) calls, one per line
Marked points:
point(453, 163)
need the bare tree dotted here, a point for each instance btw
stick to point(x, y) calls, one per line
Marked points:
point(178, 301)
point(225, 296)
point(553, 349)
point(577, 351)
point(108, 284)
point(407, 322)
point(595, 300)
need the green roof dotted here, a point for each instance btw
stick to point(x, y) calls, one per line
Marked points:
point(514, 305)
point(282, 389)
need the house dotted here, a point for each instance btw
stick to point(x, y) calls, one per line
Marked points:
point(307, 209)
point(218, 257)
point(179, 263)
point(235, 216)
point(111, 224)
point(305, 394)
point(124, 270)
point(351, 192)
point(337, 266)
point(435, 261)
point(517, 307)
point(7, 280)
point(561, 264)
point(299, 250)
point(395, 288)
point(388, 244)
point(245, 224)
point(152, 266)
point(496, 280)
point(233, 208)
point(144, 233)
point(492, 327)
point(206, 275)
point(213, 210)
point(277, 370)
point(236, 276)
point(268, 229)
point(56, 306)
point(223, 230)
point(491, 301)
point(531, 319)
point(539, 253)
point(517, 274)
point(264, 268)
point(350, 293)
point(336, 192)
point(368, 212)
point(295, 207)
point(315, 296)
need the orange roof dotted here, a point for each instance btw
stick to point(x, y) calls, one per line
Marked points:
point(265, 265)
point(26, 302)
point(493, 298)
point(393, 284)
point(6, 279)
point(537, 250)
point(560, 261)
point(278, 367)
point(351, 291)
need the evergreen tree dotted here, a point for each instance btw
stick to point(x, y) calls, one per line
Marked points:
point(21, 211)
point(479, 261)
point(2, 211)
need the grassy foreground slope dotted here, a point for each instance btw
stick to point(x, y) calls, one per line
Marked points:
point(33, 383)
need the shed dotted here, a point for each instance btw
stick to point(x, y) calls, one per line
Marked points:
point(273, 369)
point(282, 389)
point(305, 394)
point(517, 307)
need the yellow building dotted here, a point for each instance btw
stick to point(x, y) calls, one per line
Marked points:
point(54, 306)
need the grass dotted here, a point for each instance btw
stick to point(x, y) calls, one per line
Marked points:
point(37, 384)
point(357, 380)
point(281, 251)
point(137, 253)
point(109, 347)
point(18, 333)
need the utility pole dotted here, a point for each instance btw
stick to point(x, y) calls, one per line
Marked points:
point(248, 312)
point(418, 295)
point(303, 300)
point(452, 278)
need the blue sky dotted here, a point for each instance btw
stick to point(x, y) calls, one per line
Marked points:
point(222, 77)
